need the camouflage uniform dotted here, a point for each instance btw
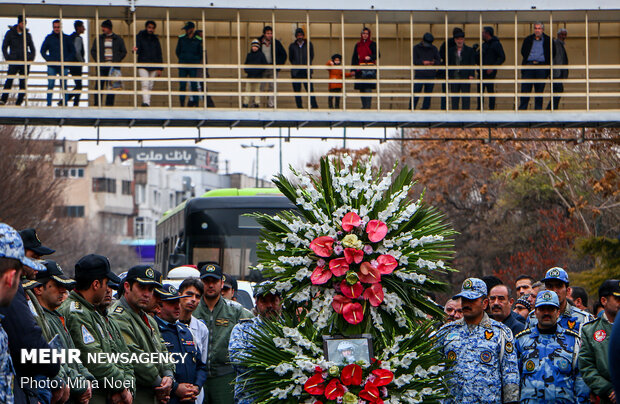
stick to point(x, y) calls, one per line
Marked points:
point(482, 356)
point(7, 373)
point(549, 369)
point(238, 346)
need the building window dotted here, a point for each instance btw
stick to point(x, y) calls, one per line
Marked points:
point(126, 187)
point(69, 211)
point(69, 172)
point(140, 194)
point(104, 185)
point(140, 230)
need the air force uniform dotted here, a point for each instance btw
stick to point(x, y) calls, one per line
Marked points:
point(482, 357)
point(571, 318)
point(548, 363)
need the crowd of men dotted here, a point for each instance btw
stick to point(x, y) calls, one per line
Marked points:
point(136, 313)
point(540, 348)
point(554, 353)
point(109, 50)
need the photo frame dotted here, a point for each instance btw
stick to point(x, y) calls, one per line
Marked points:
point(345, 350)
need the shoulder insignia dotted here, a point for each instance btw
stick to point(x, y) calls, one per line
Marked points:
point(524, 332)
point(594, 320)
point(571, 324)
point(600, 335)
point(488, 335)
point(119, 309)
point(245, 320)
point(75, 307)
point(87, 336)
point(509, 347)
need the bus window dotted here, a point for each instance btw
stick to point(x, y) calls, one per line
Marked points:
point(236, 261)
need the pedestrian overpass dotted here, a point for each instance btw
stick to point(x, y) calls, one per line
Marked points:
point(590, 95)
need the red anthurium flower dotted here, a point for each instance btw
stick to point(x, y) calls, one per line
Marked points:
point(334, 389)
point(387, 264)
point(338, 266)
point(314, 385)
point(350, 221)
point(368, 274)
point(339, 302)
point(376, 230)
point(322, 246)
point(370, 393)
point(353, 255)
point(320, 275)
point(374, 294)
point(353, 313)
point(384, 377)
point(351, 375)
point(351, 291)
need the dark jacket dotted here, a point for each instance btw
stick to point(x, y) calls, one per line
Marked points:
point(118, 49)
point(441, 73)
point(614, 356)
point(526, 47)
point(298, 55)
point(560, 58)
point(280, 52)
point(78, 57)
point(468, 58)
point(178, 338)
point(24, 333)
point(149, 50)
point(422, 53)
point(189, 50)
point(515, 322)
point(13, 45)
point(492, 55)
point(255, 58)
point(50, 49)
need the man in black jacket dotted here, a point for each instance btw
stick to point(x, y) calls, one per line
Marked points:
point(460, 55)
point(536, 50)
point(148, 49)
point(425, 54)
point(189, 51)
point(108, 50)
point(492, 55)
point(560, 58)
point(76, 71)
point(274, 54)
point(298, 55)
point(13, 51)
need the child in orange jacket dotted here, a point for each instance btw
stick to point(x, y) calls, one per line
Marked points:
point(336, 85)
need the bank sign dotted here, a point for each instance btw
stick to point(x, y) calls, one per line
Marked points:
point(185, 156)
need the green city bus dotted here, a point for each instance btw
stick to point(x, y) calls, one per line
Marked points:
point(214, 227)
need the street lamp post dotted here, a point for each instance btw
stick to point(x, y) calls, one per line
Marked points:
point(257, 147)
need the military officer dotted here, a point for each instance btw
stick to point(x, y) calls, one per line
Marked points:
point(268, 305)
point(480, 351)
point(153, 380)
point(49, 290)
point(220, 315)
point(548, 358)
point(191, 374)
point(571, 318)
point(90, 333)
point(596, 334)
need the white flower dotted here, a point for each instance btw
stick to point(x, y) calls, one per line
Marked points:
point(283, 368)
point(403, 380)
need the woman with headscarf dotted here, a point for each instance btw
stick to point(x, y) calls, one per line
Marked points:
point(365, 53)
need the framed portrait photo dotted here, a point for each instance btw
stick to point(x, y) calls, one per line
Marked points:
point(346, 350)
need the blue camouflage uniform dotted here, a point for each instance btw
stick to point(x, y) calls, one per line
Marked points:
point(7, 373)
point(571, 318)
point(482, 356)
point(548, 363)
point(239, 345)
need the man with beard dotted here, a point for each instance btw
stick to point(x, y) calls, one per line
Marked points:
point(548, 358)
point(153, 380)
point(220, 315)
point(501, 306)
point(594, 356)
point(268, 306)
point(192, 289)
point(571, 318)
point(191, 372)
point(481, 351)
